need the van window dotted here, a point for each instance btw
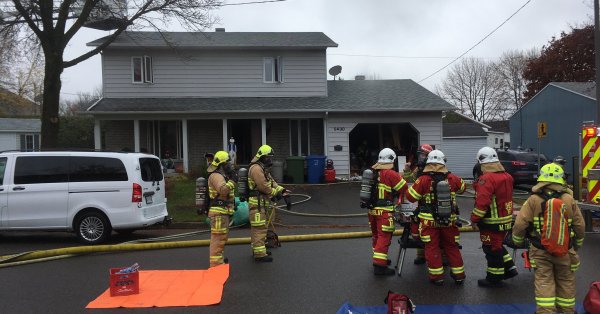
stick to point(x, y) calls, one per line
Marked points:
point(41, 169)
point(2, 167)
point(93, 169)
point(151, 169)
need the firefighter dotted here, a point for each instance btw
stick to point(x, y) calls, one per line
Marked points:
point(554, 276)
point(411, 175)
point(493, 216)
point(381, 214)
point(221, 184)
point(436, 230)
point(264, 191)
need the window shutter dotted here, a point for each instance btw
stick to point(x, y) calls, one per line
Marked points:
point(279, 70)
point(23, 146)
point(36, 142)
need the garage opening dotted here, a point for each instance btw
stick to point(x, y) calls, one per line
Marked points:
point(367, 139)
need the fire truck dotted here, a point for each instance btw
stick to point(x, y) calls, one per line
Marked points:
point(589, 193)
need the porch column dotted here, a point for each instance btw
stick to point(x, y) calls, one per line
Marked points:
point(184, 129)
point(263, 129)
point(225, 141)
point(136, 135)
point(325, 134)
point(97, 135)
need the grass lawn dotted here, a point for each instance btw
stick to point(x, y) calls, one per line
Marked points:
point(181, 199)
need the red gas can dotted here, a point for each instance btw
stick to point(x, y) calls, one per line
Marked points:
point(329, 175)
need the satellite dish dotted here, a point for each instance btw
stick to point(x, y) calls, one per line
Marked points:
point(335, 70)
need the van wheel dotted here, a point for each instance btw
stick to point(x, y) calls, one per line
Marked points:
point(93, 228)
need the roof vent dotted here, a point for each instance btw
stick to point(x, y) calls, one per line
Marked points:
point(219, 29)
point(359, 77)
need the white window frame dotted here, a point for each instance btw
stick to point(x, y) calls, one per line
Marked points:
point(146, 69)
point(299, 131)
point(31, 137)
point(276, 70)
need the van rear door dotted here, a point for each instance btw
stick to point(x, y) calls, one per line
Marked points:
point(153, 187)
point(3, 190)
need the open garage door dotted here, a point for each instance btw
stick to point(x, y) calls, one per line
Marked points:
point(367, 139)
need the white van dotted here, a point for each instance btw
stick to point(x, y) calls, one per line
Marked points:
point(89, 193)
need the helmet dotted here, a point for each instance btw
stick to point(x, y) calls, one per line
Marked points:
point(552, 173)
point(436, 157)
point(386, 155)
point(221, 157)
point(560, 160)
point(424, 149)
point(486, 155)
point(264, 150)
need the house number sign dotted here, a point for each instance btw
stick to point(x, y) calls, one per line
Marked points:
point(339, 129)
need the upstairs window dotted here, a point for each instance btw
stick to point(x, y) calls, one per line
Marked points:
point(272, 70)
point(142, 69)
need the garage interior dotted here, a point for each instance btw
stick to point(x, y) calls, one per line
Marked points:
point(367, 139)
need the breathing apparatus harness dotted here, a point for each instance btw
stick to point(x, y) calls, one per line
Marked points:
point(369, 194)
point(441, 206)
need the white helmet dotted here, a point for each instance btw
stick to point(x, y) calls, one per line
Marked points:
point(486, 155)
point(386, 155)
point(436, 157)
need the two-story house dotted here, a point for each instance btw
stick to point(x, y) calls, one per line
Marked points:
point(187, 94)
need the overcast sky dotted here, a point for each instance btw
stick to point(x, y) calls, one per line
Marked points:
point(388, 39)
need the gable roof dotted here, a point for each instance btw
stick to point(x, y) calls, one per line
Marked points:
point(499, 126)
point(463, 130)
point(210, 40)
point(20, 125)
point(13, 105)
point(343, 96)
point(585, 89)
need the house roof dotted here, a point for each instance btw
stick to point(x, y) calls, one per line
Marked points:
point(214, 40)
point(20, 125)
point(343, 96)
point(13, 105)
point(499, 126)
point(463, 130)
point(584, 88)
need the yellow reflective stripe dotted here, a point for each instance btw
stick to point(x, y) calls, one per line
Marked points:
point(562, 302)
point(501, 220)
point(230, 184)
point(506, 258)
point(478, 212)
point(457, 239)
point(221, 210)
point(276, 190)
point(575, 267)
point(532, 262)
point(425, 216)
point(400, 185)
point(457, 270)
point(463, 186)
point(385, 187)
point(517, 239)
point(216, 258)
point(259, 249)
point(414, 193)
point(561, 229)
point(385, 208)
point(495, 271)
point(425, 238)
point(389, 228)
point(548, 221)
point(545, 302)
point(382, 256)
point(436, 271)
point(579, 242)
point(494, 208)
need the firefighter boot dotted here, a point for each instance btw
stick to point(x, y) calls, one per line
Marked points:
point(263, 259)
point(420, 259)
point(382, 270)
point(512, 272)
point(489, 284)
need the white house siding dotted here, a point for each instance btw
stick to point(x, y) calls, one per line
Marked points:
point(461, 154)
point(215, 73)
point(8, 141)
point(428, 124)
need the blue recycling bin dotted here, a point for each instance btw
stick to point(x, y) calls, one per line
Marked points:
point(315, 165)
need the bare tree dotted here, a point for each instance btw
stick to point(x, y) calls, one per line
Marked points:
point(473, 86)
point(510, 68)
point(81, 103)
point(53, 23)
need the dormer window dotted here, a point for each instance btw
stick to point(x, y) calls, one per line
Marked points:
point(142, 69)
point(272, 70)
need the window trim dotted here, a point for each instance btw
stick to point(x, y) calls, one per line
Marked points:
point(33, 142)
point(299, 130)
point(276, 70)
point(146, 69)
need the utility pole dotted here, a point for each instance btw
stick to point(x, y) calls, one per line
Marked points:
point(597, 56)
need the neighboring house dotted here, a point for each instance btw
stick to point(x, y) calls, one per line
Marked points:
point(461, 143)
point(20, 134)
point(498, 134)
point(190, 96)
point(563, 106)
point(13, 105)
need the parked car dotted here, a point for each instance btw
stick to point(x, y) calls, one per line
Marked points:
point(520, 164)
point(89, 193)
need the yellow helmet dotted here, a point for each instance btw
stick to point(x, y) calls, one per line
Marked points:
point(552, 173)
point(221, 157)
point(264, 150)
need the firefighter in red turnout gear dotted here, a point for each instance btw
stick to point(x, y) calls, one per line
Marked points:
point(493, 216)
point(381, 212)
point(437, 229)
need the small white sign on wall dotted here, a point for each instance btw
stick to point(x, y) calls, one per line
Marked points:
point(401, 163)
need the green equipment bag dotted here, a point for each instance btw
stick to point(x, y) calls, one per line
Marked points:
point(240, 216)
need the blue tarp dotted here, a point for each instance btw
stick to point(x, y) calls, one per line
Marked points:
point(348, 308)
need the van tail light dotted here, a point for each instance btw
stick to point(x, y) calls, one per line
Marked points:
point(136, 195)
point(519, 163)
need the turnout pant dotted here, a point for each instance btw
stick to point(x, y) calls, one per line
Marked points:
point(414, 233)
point(498, 259)
point(258, 231)
point(382, 229)
point(554, 279)
point(436, 238)
point(219, 232)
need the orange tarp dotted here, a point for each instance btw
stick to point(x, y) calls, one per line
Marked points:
point(162, 288)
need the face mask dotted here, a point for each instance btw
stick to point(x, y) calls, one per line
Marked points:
point(227, 168)
point(267, 162)
point(422, 160)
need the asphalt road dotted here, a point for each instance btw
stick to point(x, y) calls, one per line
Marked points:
point(306, 277)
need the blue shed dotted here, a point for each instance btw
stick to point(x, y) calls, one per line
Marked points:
point(563, 106)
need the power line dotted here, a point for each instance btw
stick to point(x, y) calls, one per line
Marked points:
point(477, 44)
point(252, 2)
point(382, 56)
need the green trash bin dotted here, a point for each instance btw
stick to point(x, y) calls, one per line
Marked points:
point(295, 168)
